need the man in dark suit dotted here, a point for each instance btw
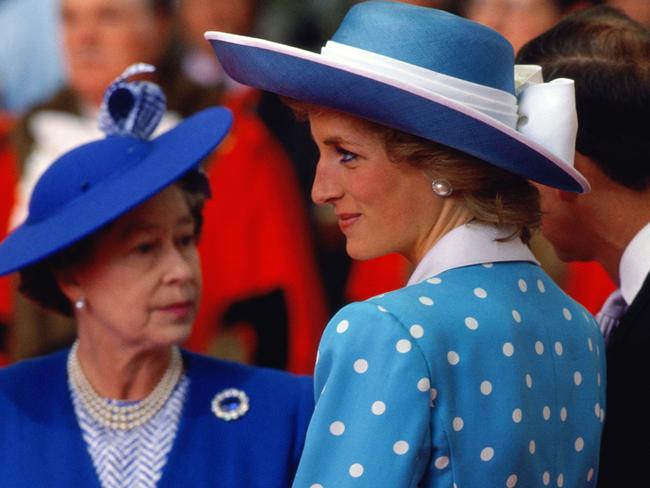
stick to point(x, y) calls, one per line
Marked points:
point(608, 56)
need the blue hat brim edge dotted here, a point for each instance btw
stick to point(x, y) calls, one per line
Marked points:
point(309, 77)
point(172, 154)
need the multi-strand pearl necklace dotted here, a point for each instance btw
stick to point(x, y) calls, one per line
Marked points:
point(123, 417)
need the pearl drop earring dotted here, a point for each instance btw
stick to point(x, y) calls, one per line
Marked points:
point(80, 303)
point(441, 188)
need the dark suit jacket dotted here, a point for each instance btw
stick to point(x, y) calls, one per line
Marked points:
point(625, 446)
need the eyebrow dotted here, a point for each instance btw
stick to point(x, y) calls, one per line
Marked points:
point(338, 140)
point(139, 227)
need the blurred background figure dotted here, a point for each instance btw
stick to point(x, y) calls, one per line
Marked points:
point(7, 183)
point(31, 69)
point(638, 10)
point(199, 16)
point(257, 233)
point(517, 20)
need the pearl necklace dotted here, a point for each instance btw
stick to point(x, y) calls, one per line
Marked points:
point(123, 417)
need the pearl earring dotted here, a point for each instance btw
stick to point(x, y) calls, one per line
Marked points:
point(442, 188)
point(80, 303)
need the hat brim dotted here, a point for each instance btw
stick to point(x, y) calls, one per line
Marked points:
point(170, 156)
point(309, 77)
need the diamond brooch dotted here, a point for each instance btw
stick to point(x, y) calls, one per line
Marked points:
point(230, 404)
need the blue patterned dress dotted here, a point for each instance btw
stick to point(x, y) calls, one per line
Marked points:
point(481, 375)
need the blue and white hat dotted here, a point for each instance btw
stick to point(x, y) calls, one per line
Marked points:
point(92, 185)
point(428, 73)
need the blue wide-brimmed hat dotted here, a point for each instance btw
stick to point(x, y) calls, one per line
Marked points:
point(428, 73)
point(94, 184)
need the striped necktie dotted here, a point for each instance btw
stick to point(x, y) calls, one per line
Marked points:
point(610, 315)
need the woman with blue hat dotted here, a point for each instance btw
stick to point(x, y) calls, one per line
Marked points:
point(481, 372)
point(111, 240)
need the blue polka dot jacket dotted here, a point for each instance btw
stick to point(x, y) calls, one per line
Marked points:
point(484, 375)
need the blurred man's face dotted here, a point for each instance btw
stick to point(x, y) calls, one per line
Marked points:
point(516, 20)
point(567, 220)
point(102, 37)
point(199, 16)
point(639, 10)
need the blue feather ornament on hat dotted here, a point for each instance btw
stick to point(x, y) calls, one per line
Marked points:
point(95, 183)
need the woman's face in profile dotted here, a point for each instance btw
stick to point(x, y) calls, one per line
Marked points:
point(142, 282)
point(382, 206)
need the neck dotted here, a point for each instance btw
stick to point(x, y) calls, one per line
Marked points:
point(618, 222)
point(452, 215)
point(121, 372)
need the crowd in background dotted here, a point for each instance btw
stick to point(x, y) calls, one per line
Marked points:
point(274, 266)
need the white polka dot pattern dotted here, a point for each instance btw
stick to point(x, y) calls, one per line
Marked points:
point(424, 384)
point(453, 358)
point(416, 331)
point(403, 346)
point(579, 444)
point(343, 326)
point(529, 381)
point(378, 408)
point(401, 447)
point(563, 414)
point(356, 470)
point(487, 454)
point(442, 462)
point(337, 428)
point(361, 366)
point(473, 367)
point(480, 292)
point(471, 323)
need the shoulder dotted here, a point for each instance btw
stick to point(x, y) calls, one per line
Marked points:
point(264, 381)
point(42, 377)
point(31, 371)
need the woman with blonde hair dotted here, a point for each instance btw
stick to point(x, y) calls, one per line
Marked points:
point(480, 372)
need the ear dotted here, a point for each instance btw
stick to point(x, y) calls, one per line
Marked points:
point(68, 284)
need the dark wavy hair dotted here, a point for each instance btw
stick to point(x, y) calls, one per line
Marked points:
point(38, 281)
point(608, 56)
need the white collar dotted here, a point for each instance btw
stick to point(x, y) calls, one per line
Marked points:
point(635, 264)
point(470, 244)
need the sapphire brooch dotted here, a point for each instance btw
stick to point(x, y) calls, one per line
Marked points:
point(230, 404)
